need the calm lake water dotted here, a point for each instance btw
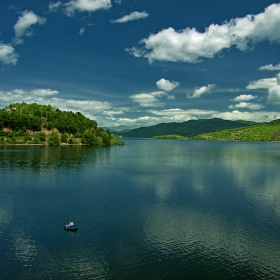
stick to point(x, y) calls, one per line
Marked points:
point(152, 209)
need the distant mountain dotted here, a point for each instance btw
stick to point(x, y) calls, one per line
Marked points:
point(118, 128)
point(189, 128)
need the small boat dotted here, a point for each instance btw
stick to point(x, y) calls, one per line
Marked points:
point(73, 228)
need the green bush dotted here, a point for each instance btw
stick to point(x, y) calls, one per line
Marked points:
point(27, 137)
point(72, 141)
point(54, 139)
point(64, 137)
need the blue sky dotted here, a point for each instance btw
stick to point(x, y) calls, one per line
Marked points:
point(141, 62)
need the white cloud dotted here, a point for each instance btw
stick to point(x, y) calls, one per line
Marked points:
point(274, 95)
point(263, 83)
point(244, 97)
point(34, 92)
point(86, 6)
point(130, 17)
point(166, 85)
point(148, 99)
point(171, 97)
point(189, 45)
point(259, 116)
point(137, 52)
point(247, 105)
point(86, 106)
point(270, 67)
point(8, 55)
point(82, 31)
point(44, 92)
point(22, 27)
point(200, 91)
point(137, 122)
point(118, 1)
point(17, 91)
point(233, 89)
point(114, 112)
point(191, 113)
point(53, 7)
point(273, 86)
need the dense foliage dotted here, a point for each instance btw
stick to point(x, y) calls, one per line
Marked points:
point(259, 132)
point(35, 117)
point(187, 129)
point(44, 124)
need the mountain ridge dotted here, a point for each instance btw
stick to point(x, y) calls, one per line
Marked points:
point(188, 128)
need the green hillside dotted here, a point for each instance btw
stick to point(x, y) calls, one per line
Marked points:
point(23, 123)
point(260, 132)
point(187, 129)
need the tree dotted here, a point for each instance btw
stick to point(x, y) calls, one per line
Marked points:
point(106, 139)
point(64, 137)
point(90, 138)
point(54, 139)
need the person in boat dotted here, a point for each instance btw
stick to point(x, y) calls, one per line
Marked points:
point(71, 224)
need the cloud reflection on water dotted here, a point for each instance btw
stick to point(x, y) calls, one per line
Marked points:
point(187, 232)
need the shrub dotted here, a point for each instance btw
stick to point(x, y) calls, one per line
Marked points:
point(54, 139)
point(64, 137)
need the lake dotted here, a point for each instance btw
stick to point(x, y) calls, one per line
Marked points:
point(152, 209)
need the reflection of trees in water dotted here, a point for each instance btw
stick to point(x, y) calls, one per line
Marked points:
point(40, 158)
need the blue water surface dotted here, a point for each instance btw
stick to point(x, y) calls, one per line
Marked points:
point(152, 209)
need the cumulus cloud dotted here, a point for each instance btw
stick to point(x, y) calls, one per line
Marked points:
point(130, 17)
point(247, 105)
point(200, 91)
point(82, 31)
point(86, 6)
point(244, 97)
point(53, 7)
point(166, 85)
point(270, 67)
point(24, 23)
point(148, 99)
point(260, 116)
point(8, 55)
point(274, 95)
point(272, 85)
point(190, 45)
point(263, 83)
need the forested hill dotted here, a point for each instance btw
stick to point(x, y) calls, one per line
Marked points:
point(269, 131)
point(43, 124)
point(188, 129)
point(34, 117)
